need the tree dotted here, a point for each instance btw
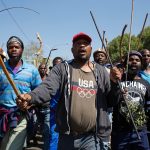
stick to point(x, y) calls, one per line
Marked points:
point(145, 38)
point(114, 49)
point(31, 54)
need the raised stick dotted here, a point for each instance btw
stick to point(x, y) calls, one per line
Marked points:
point(130, 114)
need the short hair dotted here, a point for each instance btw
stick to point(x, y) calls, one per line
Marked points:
point(143, 50)
point(56, 58)
point(100, 51)
point(42, 63)
point(133, 52)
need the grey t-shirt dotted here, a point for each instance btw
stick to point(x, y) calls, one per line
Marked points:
point(83, 101)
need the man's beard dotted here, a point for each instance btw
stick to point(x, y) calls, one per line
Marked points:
point(83, 59)
point(133, 71)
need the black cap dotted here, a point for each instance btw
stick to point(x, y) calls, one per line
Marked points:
point(15, 39)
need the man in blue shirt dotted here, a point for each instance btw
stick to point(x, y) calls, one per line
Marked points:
point(145, 72)
point(26, 77)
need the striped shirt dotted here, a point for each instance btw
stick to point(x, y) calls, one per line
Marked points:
point(26, 79)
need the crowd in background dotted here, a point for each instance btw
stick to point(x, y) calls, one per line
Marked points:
point(78, 103)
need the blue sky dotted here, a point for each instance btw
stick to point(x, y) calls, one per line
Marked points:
point(59, 20)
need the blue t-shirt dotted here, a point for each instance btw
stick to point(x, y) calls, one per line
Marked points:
point(26, 79)
point(144, 76)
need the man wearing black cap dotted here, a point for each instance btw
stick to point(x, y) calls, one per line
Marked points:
point(137, 96)
point(84, 88)
point(26, 77)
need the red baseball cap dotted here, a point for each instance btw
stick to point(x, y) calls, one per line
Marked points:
point(81, 35)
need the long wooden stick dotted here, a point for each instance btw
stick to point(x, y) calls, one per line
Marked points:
point(130, 35)
point(140, 37)
point(130, 114)
point(121, 39)
point(103, 38)
point(108, 56)
point(8, 76)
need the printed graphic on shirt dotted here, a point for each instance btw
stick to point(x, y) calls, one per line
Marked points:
point(135, 100)
point(84, 88)
point(83, 105)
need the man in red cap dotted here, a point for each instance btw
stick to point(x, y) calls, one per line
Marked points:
point(84, 88)
point(81, 35)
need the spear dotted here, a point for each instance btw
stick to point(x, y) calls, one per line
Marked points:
point(130, 114)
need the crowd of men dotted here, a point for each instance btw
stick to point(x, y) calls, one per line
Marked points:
point(80, 104)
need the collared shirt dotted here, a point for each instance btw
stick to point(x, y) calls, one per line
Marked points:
point(26, 79)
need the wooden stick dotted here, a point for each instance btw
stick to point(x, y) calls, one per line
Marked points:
point(103, 38)
point(8, 76)
point(140, 37)
point(130, 114)
point(121, 39)
point(130, 35)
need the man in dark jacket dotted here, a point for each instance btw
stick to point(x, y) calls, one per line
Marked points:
point(84, 87)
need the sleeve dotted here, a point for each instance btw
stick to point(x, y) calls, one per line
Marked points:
point(147, 100)
point(113, 95)
point(48, 88)
point(147, 107)
point(112, 90)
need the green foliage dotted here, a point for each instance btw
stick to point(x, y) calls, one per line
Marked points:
point(141, 41)
point(114, 46)
point(137, 112)
point(145, 39)
point(31, 55)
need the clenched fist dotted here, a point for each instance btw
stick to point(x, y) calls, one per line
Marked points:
point(23, 101)
point(115, 74)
